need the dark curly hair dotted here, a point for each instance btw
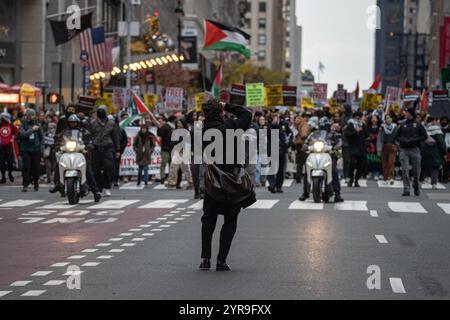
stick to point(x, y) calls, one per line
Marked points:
point(213, 110)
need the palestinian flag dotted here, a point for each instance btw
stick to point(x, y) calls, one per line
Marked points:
point(424, 101)
point(215, 89)
point(376, 84)
point(136, 108)
point(221, 37)
point(407, 87)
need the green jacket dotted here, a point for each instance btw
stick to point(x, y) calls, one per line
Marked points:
point(29, 140)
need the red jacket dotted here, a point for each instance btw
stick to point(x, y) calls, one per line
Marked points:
point(7, 134)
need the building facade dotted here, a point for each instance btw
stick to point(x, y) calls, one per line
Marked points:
point(293, 64)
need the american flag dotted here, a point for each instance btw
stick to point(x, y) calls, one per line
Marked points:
point(92, 41)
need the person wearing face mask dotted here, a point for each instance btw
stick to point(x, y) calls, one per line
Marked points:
point(31, 146)
point(62, 123)
point(106, 145)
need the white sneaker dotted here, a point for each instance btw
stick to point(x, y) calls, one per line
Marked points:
point(434, 187)
point(107, 193)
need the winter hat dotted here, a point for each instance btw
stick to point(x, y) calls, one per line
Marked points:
point(6, 116)
point(31, 112)
point(411, 110)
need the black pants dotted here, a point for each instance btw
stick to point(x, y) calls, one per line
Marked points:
point(356, 167)
point(211, 211)
point(300, 159)
point(197, 178)
point(103, 166)
point(31, 162)
point(346, 159)
point(276, 181)
point(6, 160)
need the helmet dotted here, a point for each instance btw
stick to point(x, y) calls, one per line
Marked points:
point(324, 123)
point(73, 118)
point(6, 116)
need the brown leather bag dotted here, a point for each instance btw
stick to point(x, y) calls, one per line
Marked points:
point(228, 188)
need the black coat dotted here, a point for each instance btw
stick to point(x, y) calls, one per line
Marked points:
point(411, 134)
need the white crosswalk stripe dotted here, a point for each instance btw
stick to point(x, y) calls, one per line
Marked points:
point(351, 206)
point(264, 204)
point(445, 207)
point(307, 205)
point(131, 186)
point(362, 183)
point(114, 204)
point(197, 206)
point(61, 205)
point(407, 207)
point(19, 203)
point(163, 204)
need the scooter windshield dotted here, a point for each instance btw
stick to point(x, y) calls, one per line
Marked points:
point(319, 135)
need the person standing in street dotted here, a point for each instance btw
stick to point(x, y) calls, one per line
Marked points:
point(8, 133)
point(31, 146)
point(143, 146)
point(106, 147)
point(214, 119)
point(165, 133)
point(355, 136)
point(387, 149)
point(303, 132)
point(410, 135)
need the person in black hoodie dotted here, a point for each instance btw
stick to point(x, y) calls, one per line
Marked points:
point(355, 137)
point(165, 130)
point(410, 135)
point(348, 114)
point(214, 119)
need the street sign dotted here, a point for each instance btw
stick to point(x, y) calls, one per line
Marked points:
point(42, 84)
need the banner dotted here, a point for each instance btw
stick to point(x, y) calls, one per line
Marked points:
point(62, 35)
point(307, 103)
point(440, 104)
point(320, 92)
point(189, 49)
point(121, 98)
point(237, 94)
point(150, 99)
point(371, 101)
point(255, 94)
point(128, 166)
point(173, 99)
point(290, 96)
point(393, 93)
point(108, 99)
point(444, 56)
point(274, 95)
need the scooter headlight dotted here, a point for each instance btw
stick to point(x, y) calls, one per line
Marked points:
point(318, 146)
point(71, 146)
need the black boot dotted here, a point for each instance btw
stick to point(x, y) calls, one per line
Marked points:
point(338, 198)
point(205, 265)
point(304, 197)
point(222, 266)
point(271, 189)
point(55, 189)
point(11, 177)
point(97, 197)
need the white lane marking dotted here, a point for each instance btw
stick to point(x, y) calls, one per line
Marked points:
point(428, 186)
point(19, 203)
point(90, 264)
point(197, 206)
point(165, 226)
point(76, 257)
point(181, 209)
point(41, 273)
point(168, 215)
point(4, 293)
point(33, 293)
point(445, 207)
point(156, 230)
point(89, 250)
point(73, 273)
point(163, 204)
point(351, 206)
point(60, 264)
point(374, 213)
point(126, 234)
point(138, 239)
point(396, 185)
point(153, 222)
point(104, 257)
point(131, 186)
point(264, 204)
point(185, 215)
point(64, 205)
point(128, 244)
point(407, 207)
point(116, 250)
point(103, 245)
point(381, 239)
point(175, 211)
point(287, 183)
point(19, 283)
point(362, 183)
point(397, 285)
point(179, 219)
point(191, 212)
point(54, 282)
point(161, 219)
point(308, 205)
point(172, 222)
point(148, 234)
point(144, 226)
point(135, 230)
point(114, 204)
point(115, 239)
point(160, 187)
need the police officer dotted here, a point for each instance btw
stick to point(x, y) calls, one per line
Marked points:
point(75, 131)
point(410, 135)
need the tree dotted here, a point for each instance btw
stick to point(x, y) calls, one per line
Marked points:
point(251, 73)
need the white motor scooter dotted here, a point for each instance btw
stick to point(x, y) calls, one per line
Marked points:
point(319, 171)
point(72, 170)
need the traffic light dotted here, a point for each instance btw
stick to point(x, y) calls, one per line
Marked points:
point(53, 98)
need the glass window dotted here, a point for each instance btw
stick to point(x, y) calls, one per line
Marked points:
point(262, 7)
point(262, 23)
point(262, 39)
point(262, 55)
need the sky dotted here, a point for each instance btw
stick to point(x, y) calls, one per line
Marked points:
point(336, 33)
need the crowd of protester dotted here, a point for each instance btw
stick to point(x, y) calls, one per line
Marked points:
point(409, 145)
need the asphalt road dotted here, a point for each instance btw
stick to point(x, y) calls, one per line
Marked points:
point(145, 244)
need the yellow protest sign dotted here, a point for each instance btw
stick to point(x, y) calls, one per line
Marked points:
point(150, 99)
point(370, 102)
point(108, 101)
point(199, 99)
point(256, 94)
point(307, 103)
point(274, 95)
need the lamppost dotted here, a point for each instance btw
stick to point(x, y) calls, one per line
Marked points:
point(180, 13)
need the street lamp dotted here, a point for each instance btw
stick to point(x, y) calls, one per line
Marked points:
point(180, 13)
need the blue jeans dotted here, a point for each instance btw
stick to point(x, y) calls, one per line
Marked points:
point(145, 169)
